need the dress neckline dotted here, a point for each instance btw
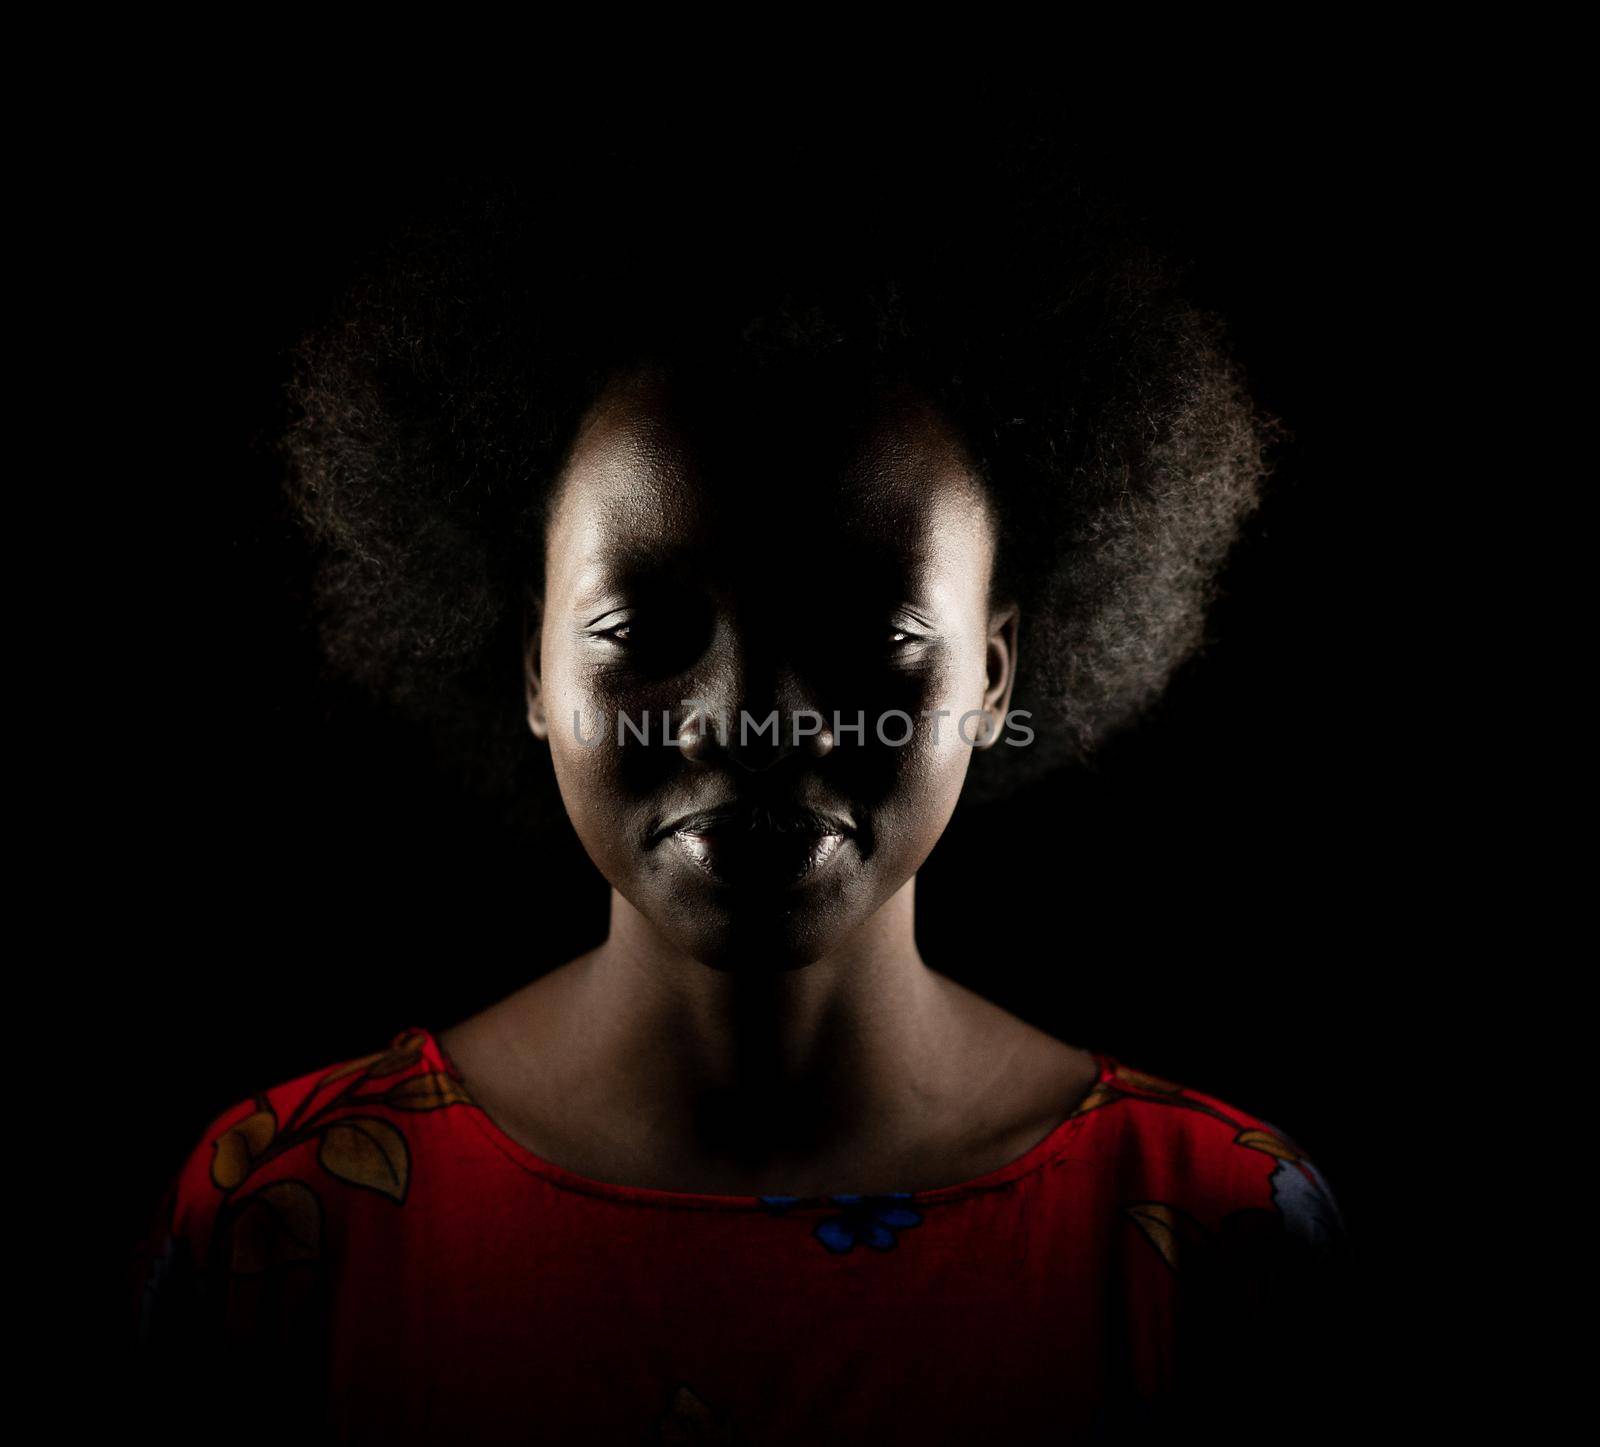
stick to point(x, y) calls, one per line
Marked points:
point(1052, 1144)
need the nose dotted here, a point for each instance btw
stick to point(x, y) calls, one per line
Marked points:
point(754, 743)
point(756, 717)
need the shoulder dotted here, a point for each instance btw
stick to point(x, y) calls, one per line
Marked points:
point(1229, 1214)
point(1199, 1164)
point(257, 1189)
point(231, 1277)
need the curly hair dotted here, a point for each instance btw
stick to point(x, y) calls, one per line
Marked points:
point(1116, 436)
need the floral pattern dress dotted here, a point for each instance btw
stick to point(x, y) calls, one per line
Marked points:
point(363, 1255)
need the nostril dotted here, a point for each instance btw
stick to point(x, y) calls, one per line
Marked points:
point(821, 742)
point(692, 741)
point(698, 737)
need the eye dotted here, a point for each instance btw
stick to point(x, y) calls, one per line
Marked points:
point(902, 638)
point(652, 642)
point(624, 632)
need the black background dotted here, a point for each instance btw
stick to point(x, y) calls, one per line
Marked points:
point(1214, 902)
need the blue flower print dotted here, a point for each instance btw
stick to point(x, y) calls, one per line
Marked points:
point(862, 1220)
point(1303, 1198)
point(1309, 1210)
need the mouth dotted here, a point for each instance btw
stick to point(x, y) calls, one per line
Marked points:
point(759, 847)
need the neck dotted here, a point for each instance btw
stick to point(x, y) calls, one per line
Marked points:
point(757, 1065)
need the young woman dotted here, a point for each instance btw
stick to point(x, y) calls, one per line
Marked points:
point(766, 559)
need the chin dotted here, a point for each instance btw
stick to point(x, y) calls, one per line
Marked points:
point(762, 939)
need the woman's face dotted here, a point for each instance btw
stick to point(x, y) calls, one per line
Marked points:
point(716, 559)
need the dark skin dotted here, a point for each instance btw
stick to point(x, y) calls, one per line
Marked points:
point(759, 1019)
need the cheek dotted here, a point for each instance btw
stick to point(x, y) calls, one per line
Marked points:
point(589, 766)
point(949, 700)
point(596, 743)
point(606, 776)
point(587, 779)
point(930, 771)
point(915, 785)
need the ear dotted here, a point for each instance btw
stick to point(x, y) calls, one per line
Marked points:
point(532, 662)
point(1000, 671)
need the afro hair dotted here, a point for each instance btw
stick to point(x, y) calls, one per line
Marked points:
point(1118, 441)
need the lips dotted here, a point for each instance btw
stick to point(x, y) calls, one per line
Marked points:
point(759, 846)
point(758, 818)
point(756, 858)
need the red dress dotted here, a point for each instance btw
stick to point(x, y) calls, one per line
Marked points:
point(362, 1254)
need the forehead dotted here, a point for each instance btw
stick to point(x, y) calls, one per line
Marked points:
point(742, 479)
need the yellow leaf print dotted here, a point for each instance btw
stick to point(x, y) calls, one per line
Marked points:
point(1140, 1081)
point(1097, 1097)
point(690, 1422)
point(393, 1062)
point(1260, 1140)
point(367, 1152)
point(427, 1092)
point(236, 1149)
point(1160, 1227)
point(349, 1068)
point(279, 1223)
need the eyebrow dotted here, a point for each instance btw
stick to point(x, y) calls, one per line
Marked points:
point(870, 569)
point(618, 567)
